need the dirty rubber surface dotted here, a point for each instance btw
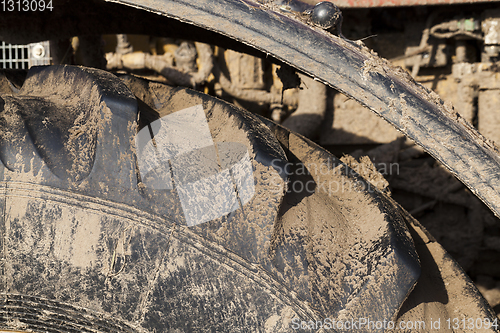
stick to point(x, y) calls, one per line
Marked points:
point(351, 69)
point(212, 234)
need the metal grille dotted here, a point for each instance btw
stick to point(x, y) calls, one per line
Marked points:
point(24, 56)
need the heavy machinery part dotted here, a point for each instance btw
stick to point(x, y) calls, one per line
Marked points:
point(310, 113)
point(111, 223)
point(396, 3)
point(347, 66)
point(115, 258)
point(99, 234)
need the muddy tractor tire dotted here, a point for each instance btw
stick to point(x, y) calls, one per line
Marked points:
point(133, 206)
point(129, 205)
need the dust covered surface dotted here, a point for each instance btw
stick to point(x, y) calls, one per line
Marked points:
point(443, 291)
point(86, 233)
point(459, 222)
point(348, 257)
point(102, 241)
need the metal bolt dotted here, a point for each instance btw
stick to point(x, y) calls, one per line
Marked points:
point(38, 51)
point(325, 15)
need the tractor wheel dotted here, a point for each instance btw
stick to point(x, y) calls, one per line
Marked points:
point(133, 206)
